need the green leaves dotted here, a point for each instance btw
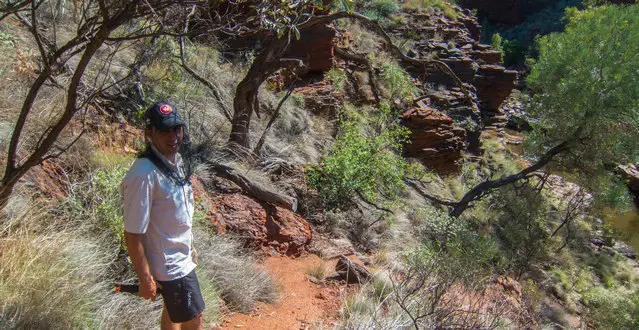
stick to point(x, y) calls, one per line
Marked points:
point(585, 90)
point(337, 77)
point(283, 18)
point(364, 159)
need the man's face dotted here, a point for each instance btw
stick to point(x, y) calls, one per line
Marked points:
point(167, 142)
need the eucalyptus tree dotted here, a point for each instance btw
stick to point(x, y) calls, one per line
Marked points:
point(585, 101)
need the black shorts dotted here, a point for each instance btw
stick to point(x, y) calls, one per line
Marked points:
point(182, 298)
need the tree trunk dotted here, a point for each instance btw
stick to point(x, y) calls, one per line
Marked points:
point(245, 100)
point(6, 189)
point(485, 187)
point(13, 172)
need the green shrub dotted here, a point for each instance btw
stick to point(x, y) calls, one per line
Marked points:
point(421, 289)
point(455, 239)
point(532, 296)
point(364, 160)
point(613, 309)
point(522, 226)
point(470, 175)
point(495, 42)
point(514, 52)
point(431, 272)
point(417, 171)
point(432, 5)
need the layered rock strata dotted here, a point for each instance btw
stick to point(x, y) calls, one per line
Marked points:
point(434, 139)
point(455, 42)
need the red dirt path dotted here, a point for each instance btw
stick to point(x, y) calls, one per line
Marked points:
point(301, 304)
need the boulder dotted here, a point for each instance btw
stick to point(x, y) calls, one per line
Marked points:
point(321, 98)
point(464, 68)
point(485, 82)
point(510, 285)
point(330, 248)
point(513, 109)
point(486, 56)
point(625, 250)
point(272, 228)
point(471, 24)
point(50, 179)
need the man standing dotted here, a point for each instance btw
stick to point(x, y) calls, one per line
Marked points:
point(158, 213)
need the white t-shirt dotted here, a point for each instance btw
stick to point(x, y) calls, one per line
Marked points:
point(163, 212)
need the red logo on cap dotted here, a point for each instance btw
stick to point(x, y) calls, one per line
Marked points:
point(166, 109)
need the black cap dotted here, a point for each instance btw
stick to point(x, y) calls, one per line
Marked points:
point(163, 116)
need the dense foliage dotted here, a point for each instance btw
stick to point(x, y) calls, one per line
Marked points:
point(585, 93)
point(363, 160)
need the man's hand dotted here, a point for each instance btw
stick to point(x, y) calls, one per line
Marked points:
point(148, 289)
point(148, 286)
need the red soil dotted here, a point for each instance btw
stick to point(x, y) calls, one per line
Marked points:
point(301, 304)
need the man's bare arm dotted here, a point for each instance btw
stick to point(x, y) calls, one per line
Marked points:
point(148, 287)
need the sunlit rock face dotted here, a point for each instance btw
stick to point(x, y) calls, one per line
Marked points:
point(273, 229)
point(315, 47)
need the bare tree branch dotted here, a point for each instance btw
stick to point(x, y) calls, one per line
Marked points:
point(417, 185)
point(260, 143)
point(99, 20)
point(365, 200)
point(485, 187)
point(211, 86)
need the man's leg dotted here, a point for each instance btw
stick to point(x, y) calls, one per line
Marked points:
point(182, 299)
point(194, 324)
point(166, 323)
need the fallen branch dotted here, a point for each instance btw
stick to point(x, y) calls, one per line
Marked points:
point(365, 200)
point(254, 189)
point(352, 272)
